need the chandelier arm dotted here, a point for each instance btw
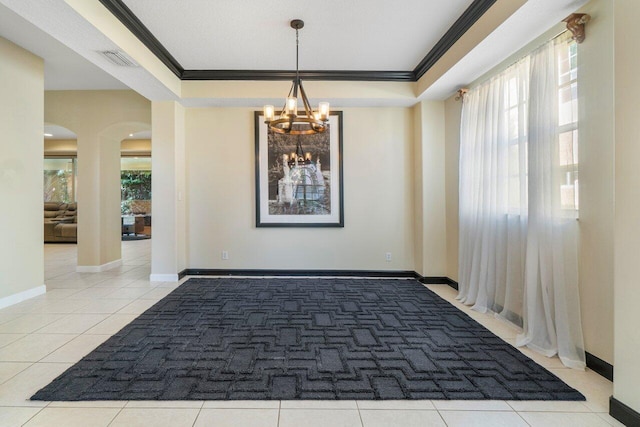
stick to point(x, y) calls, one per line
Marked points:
point(315, 126)
point(284, 107)
point(307, 107)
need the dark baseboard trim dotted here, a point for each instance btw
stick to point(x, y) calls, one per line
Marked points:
point(623, 413)
point(430, 280)
point(599, 366)
point(269, 272)
point(452, 283)
point(433, 280)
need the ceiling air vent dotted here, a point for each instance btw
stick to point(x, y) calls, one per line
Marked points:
point(119, 58)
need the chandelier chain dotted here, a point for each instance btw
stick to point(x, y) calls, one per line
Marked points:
point(297, 56)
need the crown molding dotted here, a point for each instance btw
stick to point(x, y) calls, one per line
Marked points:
point(343, 75)
point(137, 28)
point(457, 30)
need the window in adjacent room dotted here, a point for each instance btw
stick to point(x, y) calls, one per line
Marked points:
point(135, 185)
point(60, 179)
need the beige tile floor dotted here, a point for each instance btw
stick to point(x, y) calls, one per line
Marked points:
point(42, 337)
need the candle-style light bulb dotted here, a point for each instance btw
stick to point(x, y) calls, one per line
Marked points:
point(269, 113)
point(292, 105)
point(323, 109)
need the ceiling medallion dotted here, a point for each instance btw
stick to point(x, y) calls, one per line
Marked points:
point(289, 121)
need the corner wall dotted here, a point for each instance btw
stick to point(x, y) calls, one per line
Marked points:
point(168, 252)
point(378, 193)
point(21, 148)
point(596, 156)
point(626, 385)
point(430, 212)
point(452, 111)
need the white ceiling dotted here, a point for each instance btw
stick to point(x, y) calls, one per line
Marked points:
point(338, 35)
point(372, 35)
point(63, 68)
point(58, 132)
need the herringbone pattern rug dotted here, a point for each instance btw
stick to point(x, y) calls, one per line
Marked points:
point(214, 339)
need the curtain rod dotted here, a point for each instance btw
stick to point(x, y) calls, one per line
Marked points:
point(575, 24)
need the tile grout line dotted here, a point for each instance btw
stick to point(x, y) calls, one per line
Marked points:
point(14, 375)
point(441, 417)
point(195, 420)
point(279, 408)
point(34, 415)
point(116, 415)
point(522, 418)
point(359, 413)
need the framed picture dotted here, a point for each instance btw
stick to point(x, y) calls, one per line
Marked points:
point(299, 177)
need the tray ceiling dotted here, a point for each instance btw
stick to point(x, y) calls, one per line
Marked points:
point(340, 35)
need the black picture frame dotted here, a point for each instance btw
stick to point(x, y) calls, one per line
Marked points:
point(280, 200)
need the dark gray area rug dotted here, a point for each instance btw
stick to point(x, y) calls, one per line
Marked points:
point(232, 338)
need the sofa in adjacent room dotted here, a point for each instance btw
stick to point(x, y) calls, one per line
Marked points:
point(60, 222)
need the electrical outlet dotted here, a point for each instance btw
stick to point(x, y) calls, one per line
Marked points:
point(387, 257)
point(225, 255)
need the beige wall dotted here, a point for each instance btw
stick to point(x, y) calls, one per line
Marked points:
point(128, 147)
point(596, 177)
point(378, 191)
point(21, 121)
point(60, 147)
point(134, 147)
point(453, 110)
point(429, 191)
point(626, 385)
point(596, 115)
point(168, 255)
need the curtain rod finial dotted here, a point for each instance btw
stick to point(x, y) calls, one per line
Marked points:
point(575, 24)
point(461, 93)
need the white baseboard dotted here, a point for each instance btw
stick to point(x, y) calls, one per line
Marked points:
point(22, 296)
point(163, 278)
point(99, 268)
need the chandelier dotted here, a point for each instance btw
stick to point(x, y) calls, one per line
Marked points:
point(289, 121)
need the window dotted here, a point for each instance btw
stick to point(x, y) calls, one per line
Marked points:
point(60, 179)
point(515, 112)
point(515, 103)
point(568, 124)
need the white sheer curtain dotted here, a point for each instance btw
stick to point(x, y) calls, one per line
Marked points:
point(518, 244)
